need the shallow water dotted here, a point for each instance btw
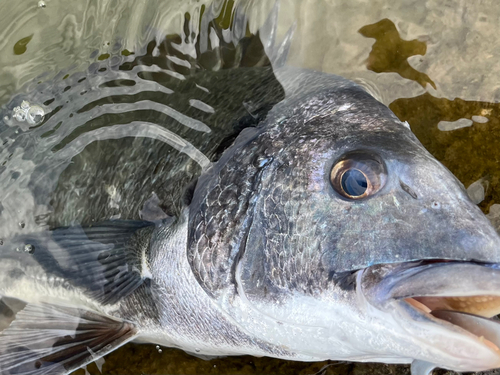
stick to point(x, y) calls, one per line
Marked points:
point(434, 63)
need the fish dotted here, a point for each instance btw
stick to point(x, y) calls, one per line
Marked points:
point(306, 223)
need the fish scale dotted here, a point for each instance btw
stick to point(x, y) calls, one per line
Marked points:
point(215, 269)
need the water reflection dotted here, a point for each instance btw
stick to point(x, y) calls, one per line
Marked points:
point(161, 94)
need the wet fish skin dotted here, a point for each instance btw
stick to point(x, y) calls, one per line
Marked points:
point(277, 290)
point(267, 258)
point(281, 237)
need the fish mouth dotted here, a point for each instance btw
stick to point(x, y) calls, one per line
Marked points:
point(449, 307)
point(474, 314)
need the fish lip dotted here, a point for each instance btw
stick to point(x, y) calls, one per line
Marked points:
point(431, 278)
point(397, 284)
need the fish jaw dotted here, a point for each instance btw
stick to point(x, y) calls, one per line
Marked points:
point(377, 320)
point(441, 308)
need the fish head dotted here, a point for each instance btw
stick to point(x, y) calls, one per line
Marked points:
point(358, 185)
point(354, 236)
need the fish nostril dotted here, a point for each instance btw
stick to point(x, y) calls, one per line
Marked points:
point(436, 205)
point(408, 189)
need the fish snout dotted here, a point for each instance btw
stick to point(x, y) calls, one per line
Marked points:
point(442, 221)
point(448, 309)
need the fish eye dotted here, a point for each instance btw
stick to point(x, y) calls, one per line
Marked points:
point(358, 175)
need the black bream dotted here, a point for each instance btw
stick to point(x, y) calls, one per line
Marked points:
point(294, 216)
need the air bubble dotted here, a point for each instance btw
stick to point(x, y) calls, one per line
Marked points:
point(41, 4)
point(28, 248)
point(159, 349)
point(35, 115)
point(22, 224)
point(197, 350)
point(19, 114)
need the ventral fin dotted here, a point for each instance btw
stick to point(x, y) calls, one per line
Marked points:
point(55, 340)
point(107, 261)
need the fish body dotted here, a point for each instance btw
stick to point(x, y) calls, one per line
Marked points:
point(308, 223)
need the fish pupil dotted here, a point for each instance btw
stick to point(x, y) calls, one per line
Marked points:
point(354, 182)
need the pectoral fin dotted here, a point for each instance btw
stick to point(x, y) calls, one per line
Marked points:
point(50, 339)
point(107, 261)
